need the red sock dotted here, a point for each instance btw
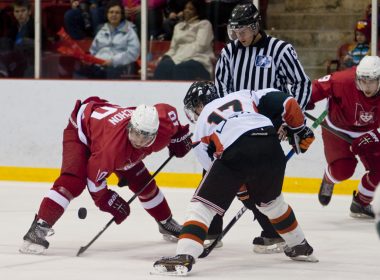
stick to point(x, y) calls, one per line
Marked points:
point(50, 211)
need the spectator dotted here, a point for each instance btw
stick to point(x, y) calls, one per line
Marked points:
point(17, 45)
point(360, 48)
point(84, 18)
point(116, 43)
point(191, 53)
point(174, 13)
point(155, 15)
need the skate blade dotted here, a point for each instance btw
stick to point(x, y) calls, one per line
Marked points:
point(208, 244)
point(360, 216)
point(31, 248)
point(310, 258)
point(271, 249)
point(180, 270)
point(170, 238)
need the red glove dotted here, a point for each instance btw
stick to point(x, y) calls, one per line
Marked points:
point(180, 144)
point(114, 204)
point(368, 143)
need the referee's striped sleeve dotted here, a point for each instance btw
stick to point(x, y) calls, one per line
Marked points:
point(296, 76)
point(223, 77)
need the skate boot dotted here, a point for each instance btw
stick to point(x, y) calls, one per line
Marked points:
point(210, 239)
point(325, 192)
point(178, 265)
point(301, 252)
point(35, 242)
point(268, 245)
point(360, 211)
point(169, 229)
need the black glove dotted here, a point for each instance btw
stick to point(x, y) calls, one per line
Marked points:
point(244, 197)
point(300, 138)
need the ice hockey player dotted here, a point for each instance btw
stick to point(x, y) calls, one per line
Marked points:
point(237, 145)
point(103, 138)
point(354, 109)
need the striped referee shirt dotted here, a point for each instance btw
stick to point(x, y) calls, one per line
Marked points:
point(269, 63)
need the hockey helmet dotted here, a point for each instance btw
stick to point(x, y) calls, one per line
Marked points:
point(199, 93)
point(368, 75)
point(143, 126)
point(243, 17)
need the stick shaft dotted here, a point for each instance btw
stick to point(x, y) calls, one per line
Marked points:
point(84, 248)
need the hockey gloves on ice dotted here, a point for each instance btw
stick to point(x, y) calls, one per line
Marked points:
point(114, 204)
point(300, 138)
point(180, 144)
point(367, 144)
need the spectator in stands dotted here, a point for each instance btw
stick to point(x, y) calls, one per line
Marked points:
point(360, 48)
point(116, 43)
point(84, 18)
point(191, 53)
point(173, 14)
point(155, 15)
point(17, 45)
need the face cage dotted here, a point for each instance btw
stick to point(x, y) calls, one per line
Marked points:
point(359, 86)
point(139, 138)
point(190, 113)
point(232, 30)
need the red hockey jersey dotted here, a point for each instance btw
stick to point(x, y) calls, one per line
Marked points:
point(349, 110)
point(103, 128)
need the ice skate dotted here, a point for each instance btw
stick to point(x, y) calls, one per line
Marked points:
point(267, 245)
point(325, 192)
point(169, 229)
point(210, 239)
point(178, 265)
point(302, 252)
point(35, 242)
point(360, 211)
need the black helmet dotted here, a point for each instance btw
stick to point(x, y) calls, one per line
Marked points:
point(243, 15)
point(202, 92)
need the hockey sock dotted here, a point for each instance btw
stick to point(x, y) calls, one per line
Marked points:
point(366, 191)
point(156, 206)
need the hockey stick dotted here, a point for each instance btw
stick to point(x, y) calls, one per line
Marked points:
point(84, 248)
point(339, 134)
point(207, 250)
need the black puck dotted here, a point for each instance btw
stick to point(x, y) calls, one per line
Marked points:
point(82, 213)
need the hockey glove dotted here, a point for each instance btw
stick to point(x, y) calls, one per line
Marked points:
point(367, 144)
point(114, 204)
point(244, 197)
point(180, 144)
point(300, 138)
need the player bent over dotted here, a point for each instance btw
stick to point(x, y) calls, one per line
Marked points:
point(354, 109)
point(102, 138)
point(238, 146)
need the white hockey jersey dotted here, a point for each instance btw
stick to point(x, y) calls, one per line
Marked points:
point(224, 120)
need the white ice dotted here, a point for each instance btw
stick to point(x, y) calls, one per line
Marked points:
point(347, 248)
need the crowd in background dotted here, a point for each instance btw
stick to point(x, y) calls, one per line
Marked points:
point(190, 40)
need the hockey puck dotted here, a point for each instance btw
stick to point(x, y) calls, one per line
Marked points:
point(82, 213)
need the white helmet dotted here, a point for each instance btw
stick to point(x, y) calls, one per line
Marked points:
point(143, 126)
point(368, 70)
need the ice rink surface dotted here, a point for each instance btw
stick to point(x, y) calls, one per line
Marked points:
point(346, 248)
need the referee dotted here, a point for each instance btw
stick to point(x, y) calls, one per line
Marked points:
point(254, 60)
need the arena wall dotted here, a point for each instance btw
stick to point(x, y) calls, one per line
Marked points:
point(34, 114)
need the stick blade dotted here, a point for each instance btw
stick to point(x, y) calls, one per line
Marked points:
point(81, 250)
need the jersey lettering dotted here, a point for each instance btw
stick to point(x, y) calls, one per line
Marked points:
point(107, 111)
point(216, 118)
point(173, 117)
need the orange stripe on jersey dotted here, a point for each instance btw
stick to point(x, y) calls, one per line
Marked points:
point(218, 145)
point(192, 237)
point(293, 115)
